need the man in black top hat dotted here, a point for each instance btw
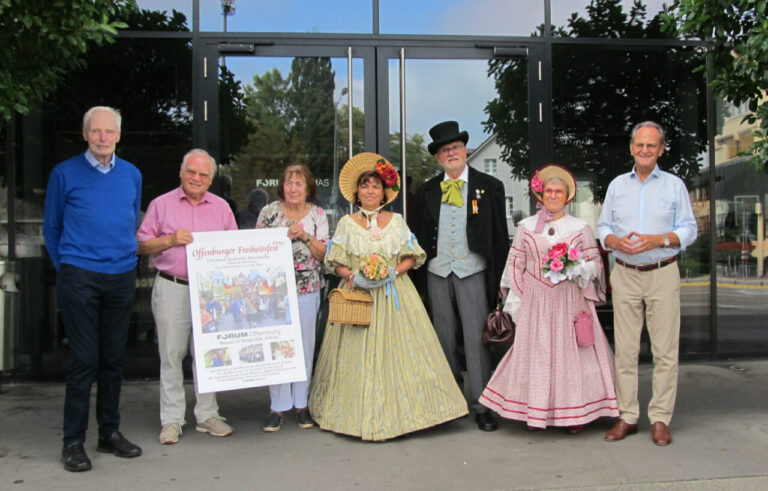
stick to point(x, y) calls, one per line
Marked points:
point(463, 228)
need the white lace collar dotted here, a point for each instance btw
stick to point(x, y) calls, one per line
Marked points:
point(554, 230)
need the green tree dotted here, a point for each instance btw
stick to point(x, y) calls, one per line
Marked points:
point(269, 147)
point(150, 81)
point(234, 125)
point(420, 165)
point(291, 121)
point(358, 132)
point(45, 39)
point(738, 54)
point(598, 98)
point(310, 97)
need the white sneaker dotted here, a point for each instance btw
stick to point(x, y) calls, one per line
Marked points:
point(214, 425)
point(170, 433)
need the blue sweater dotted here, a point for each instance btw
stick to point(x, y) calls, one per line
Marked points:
point(90, 218)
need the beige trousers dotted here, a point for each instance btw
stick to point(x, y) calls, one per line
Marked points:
point(655, 297)
point(173, 319)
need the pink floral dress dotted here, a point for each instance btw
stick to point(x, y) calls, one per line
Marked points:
point(546, 379)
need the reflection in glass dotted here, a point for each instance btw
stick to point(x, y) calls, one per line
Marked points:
point(480, 17)
point(442, 90)
point(600, 93)
point(282, 111)
point(162, 15)
point(150, 82)
point(508, 121)
point(349, 16)
point(608, 18)
point(741, 194)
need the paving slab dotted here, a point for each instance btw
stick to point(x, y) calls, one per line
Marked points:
point(720, 442)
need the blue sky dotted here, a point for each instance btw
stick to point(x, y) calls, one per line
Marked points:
point(485, 17)
point(436, 90)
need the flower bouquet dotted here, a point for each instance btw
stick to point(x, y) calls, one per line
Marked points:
point(562, 263)
point(374, 267)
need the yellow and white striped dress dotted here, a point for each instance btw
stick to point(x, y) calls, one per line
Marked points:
point(389, 378)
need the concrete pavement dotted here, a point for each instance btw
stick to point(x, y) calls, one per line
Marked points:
point(720, 441)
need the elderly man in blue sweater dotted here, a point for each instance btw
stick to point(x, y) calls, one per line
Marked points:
point(91, 215)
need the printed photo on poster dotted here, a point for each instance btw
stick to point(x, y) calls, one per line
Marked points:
point(251, 299)
point(245, 322)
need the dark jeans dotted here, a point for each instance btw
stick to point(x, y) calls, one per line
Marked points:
point(96, 310)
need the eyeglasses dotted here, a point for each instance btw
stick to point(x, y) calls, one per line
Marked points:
point(554, 191)
point(453, 148)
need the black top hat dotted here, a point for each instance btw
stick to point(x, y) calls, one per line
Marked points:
point(445, 132)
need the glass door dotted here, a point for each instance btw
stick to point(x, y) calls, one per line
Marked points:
point(487, 90)
point(271, 106)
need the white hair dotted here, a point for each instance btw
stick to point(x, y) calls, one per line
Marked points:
point(558, 179)
point(90, 112)
point(650, 124)
point(200, 151)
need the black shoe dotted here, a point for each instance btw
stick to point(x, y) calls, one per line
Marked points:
point(74, 458)
point(304, 419)
point(485, 421)
point(118, 445)
point(272, 423)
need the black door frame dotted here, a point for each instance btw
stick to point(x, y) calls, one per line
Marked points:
point(376, 51)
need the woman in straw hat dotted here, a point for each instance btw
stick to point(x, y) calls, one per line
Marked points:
point(389, 378)
point(559, 372)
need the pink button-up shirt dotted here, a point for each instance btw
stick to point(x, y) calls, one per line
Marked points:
point(172, 211)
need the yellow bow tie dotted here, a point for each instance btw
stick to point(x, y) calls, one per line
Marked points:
point(452, 192)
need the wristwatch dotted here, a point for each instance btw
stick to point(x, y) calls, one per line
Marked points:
point(666, 241)
point(309, 238)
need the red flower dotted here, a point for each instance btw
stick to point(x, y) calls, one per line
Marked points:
point(558, 250)
point(388, 174)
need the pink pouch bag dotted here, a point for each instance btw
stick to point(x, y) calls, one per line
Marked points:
point(583, 326)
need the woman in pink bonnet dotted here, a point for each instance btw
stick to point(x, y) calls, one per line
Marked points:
point(559, 372)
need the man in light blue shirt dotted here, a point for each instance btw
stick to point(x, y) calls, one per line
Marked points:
point(646, 221)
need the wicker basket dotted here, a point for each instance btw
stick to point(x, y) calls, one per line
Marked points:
point(348, 306)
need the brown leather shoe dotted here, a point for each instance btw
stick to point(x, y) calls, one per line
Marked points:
point(660, 434)
point(620, 430)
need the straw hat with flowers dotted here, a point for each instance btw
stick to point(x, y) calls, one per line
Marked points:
point(368, 161)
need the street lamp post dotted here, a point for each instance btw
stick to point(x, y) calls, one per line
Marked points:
point(227, 9)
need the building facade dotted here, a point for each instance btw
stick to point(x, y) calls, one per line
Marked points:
point(264, 84)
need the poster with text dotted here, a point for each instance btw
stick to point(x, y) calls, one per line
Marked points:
point(245, 320)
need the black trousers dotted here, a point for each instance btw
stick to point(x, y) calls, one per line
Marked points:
point(96, 310)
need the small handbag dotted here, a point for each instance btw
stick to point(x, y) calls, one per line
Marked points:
point(582, 324)
point(350, 306)
point(498, 328)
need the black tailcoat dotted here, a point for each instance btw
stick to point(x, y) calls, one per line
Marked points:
point(487, 232)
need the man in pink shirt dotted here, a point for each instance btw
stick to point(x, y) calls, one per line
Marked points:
point(166, 230)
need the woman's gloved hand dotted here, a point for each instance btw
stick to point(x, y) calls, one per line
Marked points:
point(367, 284)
